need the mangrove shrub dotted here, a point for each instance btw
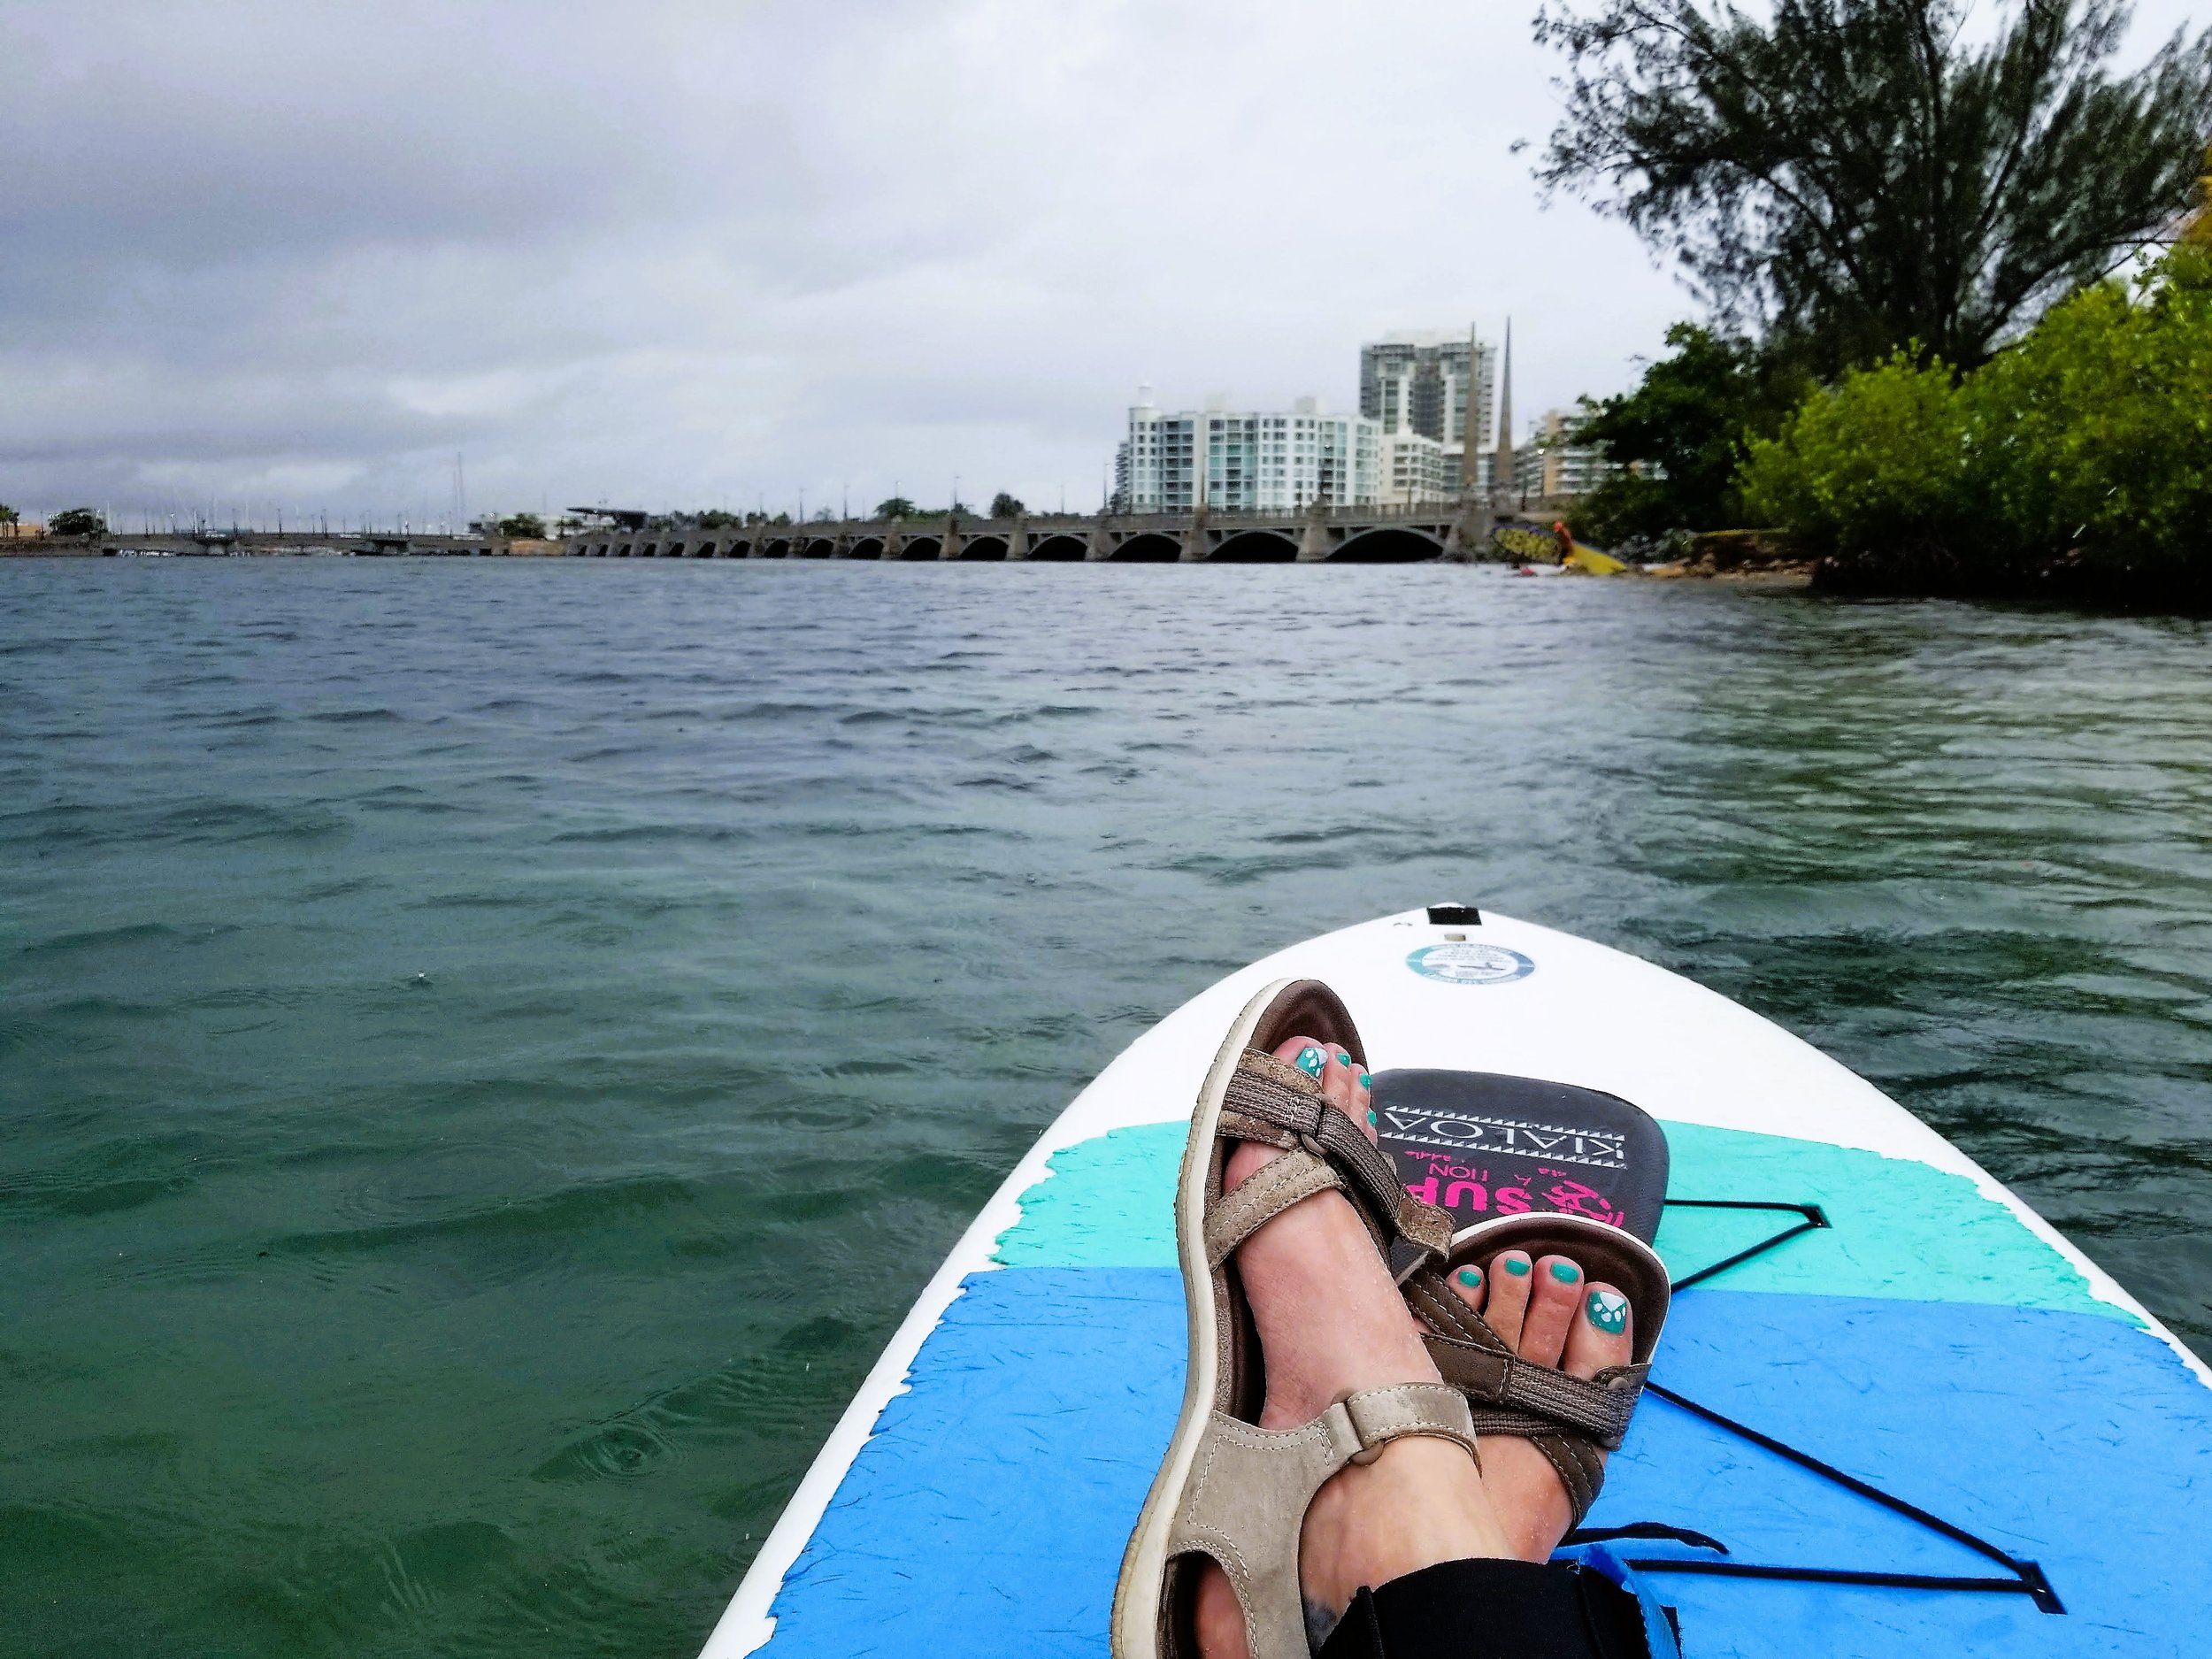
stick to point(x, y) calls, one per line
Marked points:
point(2077, 461)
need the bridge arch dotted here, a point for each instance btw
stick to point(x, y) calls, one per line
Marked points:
point(1254, 547)
point(869, 546)
point(740, 548)
point(820, 547)
point(1062, 549)
point(1151, 547)
point(983, 547)
point(921, 547)
point(776, 547)
point(1386, 544)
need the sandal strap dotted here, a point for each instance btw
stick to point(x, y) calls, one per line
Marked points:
point(1581, 1470)
point(1373, 1418)
point(1272, 1100)
point(1537, 1398)
point(1262, 1196)
point(1567, 1419)
point(1525, 1399)
point(1250, 1487)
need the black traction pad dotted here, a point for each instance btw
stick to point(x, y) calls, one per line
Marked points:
point(1480, 1145)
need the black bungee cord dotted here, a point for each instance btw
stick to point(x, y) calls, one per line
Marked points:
point(2026, 1578)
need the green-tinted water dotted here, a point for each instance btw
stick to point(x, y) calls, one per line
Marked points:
point(488, 1052)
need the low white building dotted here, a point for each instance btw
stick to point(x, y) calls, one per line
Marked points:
point(1234, 461)
point(1414, 468)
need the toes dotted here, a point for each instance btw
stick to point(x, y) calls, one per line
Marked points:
point(1467, 1282)
point(1602, 1332)
point(1554, 1304)
point(1508, 1276)
point(1351, 1077)
point(1343, 1081)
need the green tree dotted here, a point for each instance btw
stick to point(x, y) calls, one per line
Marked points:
point(2092, 439)
point(9, 517)
point(2078, 461)
point(895, 507)
point(76, 521)
point(1876, 467)
point(1859, 175)
point(1683, 428)
point(1006, 506)
point(715, 518)
point(523, 526)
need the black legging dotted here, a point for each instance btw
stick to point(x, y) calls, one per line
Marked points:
point(1494, 1609)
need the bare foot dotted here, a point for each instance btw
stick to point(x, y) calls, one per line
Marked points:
point(1544, 1312)
point(1330, 1323)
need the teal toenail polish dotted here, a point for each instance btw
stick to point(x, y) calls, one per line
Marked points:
point(1565, 1272)
point(1471, 1276)
point(1310, 1060)
point(1370, 1114)
point(1365, 1081)
point(1608, 1312)
point(1518, 1268)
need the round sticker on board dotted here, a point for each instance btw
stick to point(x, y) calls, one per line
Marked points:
point(1471, 964)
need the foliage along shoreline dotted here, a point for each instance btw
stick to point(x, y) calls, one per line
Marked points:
point(2075, 465)
point(1918, 366)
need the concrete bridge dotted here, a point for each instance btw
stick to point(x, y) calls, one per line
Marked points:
point(244, 544)
point(1350, 535)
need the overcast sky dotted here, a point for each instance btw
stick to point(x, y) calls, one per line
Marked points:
point(262, 253)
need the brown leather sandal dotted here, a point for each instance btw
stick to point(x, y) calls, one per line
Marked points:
point(1227, 1489)
point(1568, 1419)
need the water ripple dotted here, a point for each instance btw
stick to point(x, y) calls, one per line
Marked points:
point(470, 1129)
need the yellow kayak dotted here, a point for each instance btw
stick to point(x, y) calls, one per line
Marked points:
point(1588, 560)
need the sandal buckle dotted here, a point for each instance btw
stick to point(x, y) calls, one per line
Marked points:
point(1344, 1436)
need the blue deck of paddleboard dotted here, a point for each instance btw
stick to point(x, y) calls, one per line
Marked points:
point(988, 1513)
point(1928, 1343)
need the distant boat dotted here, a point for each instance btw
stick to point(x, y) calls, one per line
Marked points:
point(1533, 544)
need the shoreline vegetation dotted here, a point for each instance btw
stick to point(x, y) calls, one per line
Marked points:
point(1958, 289)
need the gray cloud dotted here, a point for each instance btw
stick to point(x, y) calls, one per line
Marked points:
point(262, 254)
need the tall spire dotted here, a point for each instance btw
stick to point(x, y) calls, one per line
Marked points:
point(1502, 466)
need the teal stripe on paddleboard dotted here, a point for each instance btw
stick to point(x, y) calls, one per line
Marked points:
point(1109, 1202)
point(1902, 1229)
point(1898, 1227)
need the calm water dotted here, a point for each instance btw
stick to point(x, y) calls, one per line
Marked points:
point(488, 1052)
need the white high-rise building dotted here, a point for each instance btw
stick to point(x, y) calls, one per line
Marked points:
point(1235, 461)
point(1429, 384)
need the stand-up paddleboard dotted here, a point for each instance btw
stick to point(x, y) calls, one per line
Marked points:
point(1893, 1411)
